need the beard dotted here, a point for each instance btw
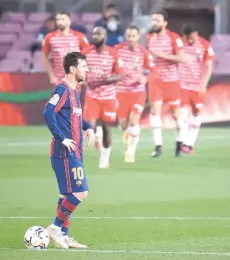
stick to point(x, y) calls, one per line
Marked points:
point(157, 29)
point(99, 44)
point(61, 27)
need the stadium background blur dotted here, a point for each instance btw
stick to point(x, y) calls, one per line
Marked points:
point(162, 209)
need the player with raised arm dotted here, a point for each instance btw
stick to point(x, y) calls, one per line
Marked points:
point(131, 91)
point(195, 76)
point(166, 47)
point(58, 43)
point(63, 116)
point(100, 99)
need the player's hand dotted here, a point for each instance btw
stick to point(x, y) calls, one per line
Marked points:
point(91, 137)
point(53, 80)
point(69, 144)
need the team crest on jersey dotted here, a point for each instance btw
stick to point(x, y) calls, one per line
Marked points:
point(54, 99)
point(179, 42)
point(77, 111)
point(210, 51)
point(120, 62)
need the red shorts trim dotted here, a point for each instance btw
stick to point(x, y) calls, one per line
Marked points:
point(194, 99)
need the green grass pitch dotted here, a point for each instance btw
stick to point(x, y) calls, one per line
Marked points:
point(165, 208)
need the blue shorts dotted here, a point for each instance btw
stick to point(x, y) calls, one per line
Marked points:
point(70, 174)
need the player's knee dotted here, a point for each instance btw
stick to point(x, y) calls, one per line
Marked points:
point(156, 108)
point(123, 124)
point(81, 195)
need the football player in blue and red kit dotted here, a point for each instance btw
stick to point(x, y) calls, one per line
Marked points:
point(63, 116)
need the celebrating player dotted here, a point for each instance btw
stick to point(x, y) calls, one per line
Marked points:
point(195, 76)
point(166, 47)
point(63, 115)
point(100, 99)
point(131, 90)
point(58, 44)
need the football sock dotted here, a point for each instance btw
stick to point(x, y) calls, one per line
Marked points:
point(133, 138)
point(194, 129)
point(66, 224)
point(105, 155)
point(68, 206)
point(155, 124)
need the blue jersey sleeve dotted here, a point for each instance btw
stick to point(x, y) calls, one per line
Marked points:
point(55, 103)
point(86, 125)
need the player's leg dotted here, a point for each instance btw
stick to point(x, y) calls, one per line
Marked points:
point(108, 116)
point(138, 100)
point(71, 180)
point(156, 101)
point(123, 113)
point(197, 103)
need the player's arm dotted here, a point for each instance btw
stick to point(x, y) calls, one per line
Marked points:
point(89, 133)
point(178, 55)
point(118, 72)
point(208, 67)
point(83, 42)
point(46, 48)
point(54, 105)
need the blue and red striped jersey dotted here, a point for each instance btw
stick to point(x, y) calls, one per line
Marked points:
point(63, 116)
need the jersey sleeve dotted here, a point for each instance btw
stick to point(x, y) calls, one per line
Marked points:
point(118, 63)
point(176, 42)
point(209, 52)
point(148, 60)
point(46, 47)
point(83, 42)
point(55, 103)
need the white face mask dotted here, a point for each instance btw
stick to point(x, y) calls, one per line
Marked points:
point(112, 26)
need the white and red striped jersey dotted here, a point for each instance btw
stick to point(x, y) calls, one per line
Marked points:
point(169, 43)
point(101, 64)
point(58, 45)
point(134, 62)
point(192, 72)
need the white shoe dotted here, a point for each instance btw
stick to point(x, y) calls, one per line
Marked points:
point(56, 235)
point(129, 158)
point(72, 243)
point(104, 165)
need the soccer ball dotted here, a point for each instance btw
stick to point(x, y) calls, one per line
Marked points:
point(36, 238)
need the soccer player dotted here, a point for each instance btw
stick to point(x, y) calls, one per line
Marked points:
point(100, 98)
point(195, 76)
point(166, 47)
point(63, 116)
point(131, 92)
point(58, 43)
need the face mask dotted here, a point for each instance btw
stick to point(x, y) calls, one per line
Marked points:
point(112, 26)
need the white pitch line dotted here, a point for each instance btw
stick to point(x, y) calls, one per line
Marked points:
point(227, 254)
point(122, 218)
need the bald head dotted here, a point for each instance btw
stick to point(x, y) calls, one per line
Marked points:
point(99, 36)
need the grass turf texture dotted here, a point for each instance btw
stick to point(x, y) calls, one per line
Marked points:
point(194, 188)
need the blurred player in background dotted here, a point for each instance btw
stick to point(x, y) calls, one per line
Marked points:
point(131, 91)
point(195, 76)
point(58, 43)
point(166, 47)
point(100, 98)
point(63, 116)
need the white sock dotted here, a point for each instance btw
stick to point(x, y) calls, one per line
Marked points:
point(155, 123)
point(133, 138)
point(99, 132)
point(105, 155)
point(194, 129)
point(55, 227)
point(182, 126)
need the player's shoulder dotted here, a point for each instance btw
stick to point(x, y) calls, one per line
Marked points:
point(173, 35)
point(88, 49)
point(204, 42)
point(61, 87)
point(79, 34)
point(111, 50)
point(120, 46)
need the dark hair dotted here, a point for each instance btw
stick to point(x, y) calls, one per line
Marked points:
point(72, 59)
point(110, 6)
point(163, 13)
point(65, 13)
point(133, 27)
point(188, 28)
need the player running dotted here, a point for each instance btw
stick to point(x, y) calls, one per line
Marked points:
point(131, 92)
point(63, 116)
point(195, 76)
point(58, 44)
point(166, 47)
point(100, 98)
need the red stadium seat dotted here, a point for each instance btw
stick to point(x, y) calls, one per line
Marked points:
point(38, 17)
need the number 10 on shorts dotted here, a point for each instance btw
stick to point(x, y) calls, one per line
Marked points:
point(78, 173)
